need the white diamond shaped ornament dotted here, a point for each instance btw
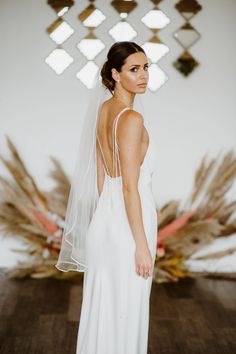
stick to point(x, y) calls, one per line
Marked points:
point(122, 31)
point(155, 51)
point(87, 74)
point(59, 60)
point(95, 19)
point(187, 37)
point(63, 11)
point(61, 33)
point(155, 19)
point(157, 77)
point(90, 47)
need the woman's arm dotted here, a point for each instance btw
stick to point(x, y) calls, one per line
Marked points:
point(129, 138)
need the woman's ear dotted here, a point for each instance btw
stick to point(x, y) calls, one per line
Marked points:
point(114, 74)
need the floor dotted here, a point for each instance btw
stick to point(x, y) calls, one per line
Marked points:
point(189, 317)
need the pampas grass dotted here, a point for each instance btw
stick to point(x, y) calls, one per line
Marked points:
point(37, 218)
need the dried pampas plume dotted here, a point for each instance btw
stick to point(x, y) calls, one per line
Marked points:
point(37, 218)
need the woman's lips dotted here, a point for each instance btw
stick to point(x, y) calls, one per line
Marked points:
point(142, 84)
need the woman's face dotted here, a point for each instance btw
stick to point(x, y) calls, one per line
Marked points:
point(134, 73)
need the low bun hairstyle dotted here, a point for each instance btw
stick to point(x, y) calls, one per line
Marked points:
point(116, 57)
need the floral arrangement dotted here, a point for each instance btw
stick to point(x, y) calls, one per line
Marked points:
point(37, 218)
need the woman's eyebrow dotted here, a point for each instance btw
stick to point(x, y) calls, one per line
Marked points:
point(138, 65)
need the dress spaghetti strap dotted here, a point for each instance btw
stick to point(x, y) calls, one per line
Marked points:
point(104, 165)
point(115, 145)
point(115, 148)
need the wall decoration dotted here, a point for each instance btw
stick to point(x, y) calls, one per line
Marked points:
point(59, 31)
point(187, 35)
point(155, 20)
point(61, 6)
point(90, 46)
point(122, 30)
point(37, 217)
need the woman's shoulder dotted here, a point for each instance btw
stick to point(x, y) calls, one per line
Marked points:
point(131, 116)
point(127, 115)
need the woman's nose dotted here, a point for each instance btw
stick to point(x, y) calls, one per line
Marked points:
point(144, 73)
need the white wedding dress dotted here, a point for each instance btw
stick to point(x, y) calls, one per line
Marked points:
point(114, 316)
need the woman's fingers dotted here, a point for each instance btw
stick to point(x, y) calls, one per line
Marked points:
point(144, 271)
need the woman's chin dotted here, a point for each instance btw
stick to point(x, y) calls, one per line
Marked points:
point(142, 89)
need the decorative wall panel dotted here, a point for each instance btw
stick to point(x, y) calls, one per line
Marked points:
point(155, 20)
point(59, 31)
point(187, 35)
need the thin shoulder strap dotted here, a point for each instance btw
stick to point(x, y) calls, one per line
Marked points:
point(115, 145)
point(105, 165)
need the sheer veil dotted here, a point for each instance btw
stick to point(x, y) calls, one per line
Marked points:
point(83, 196)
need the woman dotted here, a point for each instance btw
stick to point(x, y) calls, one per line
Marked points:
point(121, 239)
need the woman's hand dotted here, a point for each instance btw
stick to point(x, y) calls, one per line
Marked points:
point(143, 260)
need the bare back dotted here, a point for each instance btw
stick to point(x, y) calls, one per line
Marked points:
point(107, 121)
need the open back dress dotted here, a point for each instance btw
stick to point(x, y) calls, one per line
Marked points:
point(114, 316)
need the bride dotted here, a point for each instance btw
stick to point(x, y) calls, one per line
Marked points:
point(111, 223)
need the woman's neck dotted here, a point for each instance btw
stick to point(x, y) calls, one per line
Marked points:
point(128, 101)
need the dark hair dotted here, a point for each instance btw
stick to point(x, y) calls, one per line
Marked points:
point(116, 57)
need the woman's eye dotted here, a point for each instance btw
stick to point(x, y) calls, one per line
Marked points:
point(133, 69)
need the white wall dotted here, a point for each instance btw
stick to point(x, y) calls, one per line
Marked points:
point(41, 112)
